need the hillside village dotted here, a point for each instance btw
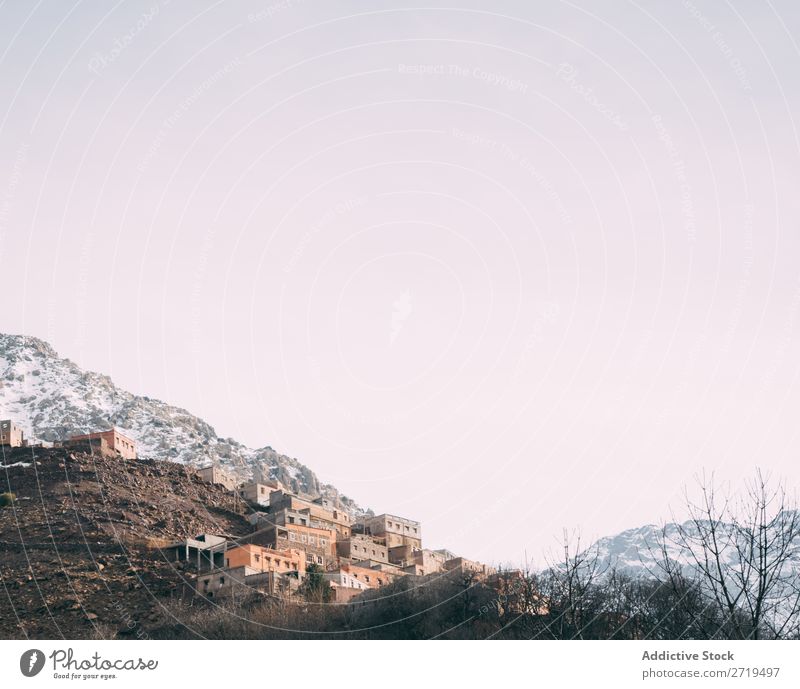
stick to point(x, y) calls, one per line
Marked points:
point(99, 542)
point(291, 537)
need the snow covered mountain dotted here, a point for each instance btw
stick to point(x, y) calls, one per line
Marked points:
point(637, 551)
point(50, 397)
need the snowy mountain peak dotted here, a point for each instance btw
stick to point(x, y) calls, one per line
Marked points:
point(51, 397)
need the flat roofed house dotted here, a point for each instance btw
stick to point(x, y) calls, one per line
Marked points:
point(206, 551)
point(361, 547)
point(319, 545)
point(340, 578)
point(394, 530)
point(329, 519)
point(117, 442)
point(261, 559)
point(257, 493)
point(217, 476)
point(430, 560)
point(463, 565)
point(11, 435)
point(239, 581)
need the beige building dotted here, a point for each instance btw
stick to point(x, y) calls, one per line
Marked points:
point(431, 561)
point(361, 547)
point(343, 579)
point(417, 560)
point(258, 493)
point(117, 442)
point(393, 530)
point(218, 476)
point(240, 581)
point(319, 512)
point(334, 519)
point(462, 564)
point(11, 435)
point(279, 518)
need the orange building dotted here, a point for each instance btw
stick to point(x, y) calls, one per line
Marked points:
point(262, 559)
point(124, 446)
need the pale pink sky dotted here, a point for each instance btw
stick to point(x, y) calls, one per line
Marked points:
point(502, 268)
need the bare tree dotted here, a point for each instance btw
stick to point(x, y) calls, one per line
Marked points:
point(571, 588)
point(744, 552)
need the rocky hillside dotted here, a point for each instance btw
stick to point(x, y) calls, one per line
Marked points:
point(51, 397)
point(81, 543)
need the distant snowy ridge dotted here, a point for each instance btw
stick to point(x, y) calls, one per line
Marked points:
point(51, 397)
point(637, 551)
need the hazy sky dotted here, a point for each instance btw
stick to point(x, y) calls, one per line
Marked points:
point(502, 267)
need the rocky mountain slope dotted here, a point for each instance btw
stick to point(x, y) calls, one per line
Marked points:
point(81, 543)
point(51, 397)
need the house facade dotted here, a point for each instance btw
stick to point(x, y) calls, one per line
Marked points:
point(217, 476)
point(361, 547)
point(117, 442)
point(261, 559)
point(393, 530)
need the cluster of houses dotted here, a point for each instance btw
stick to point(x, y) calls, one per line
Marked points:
point(292, 534)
